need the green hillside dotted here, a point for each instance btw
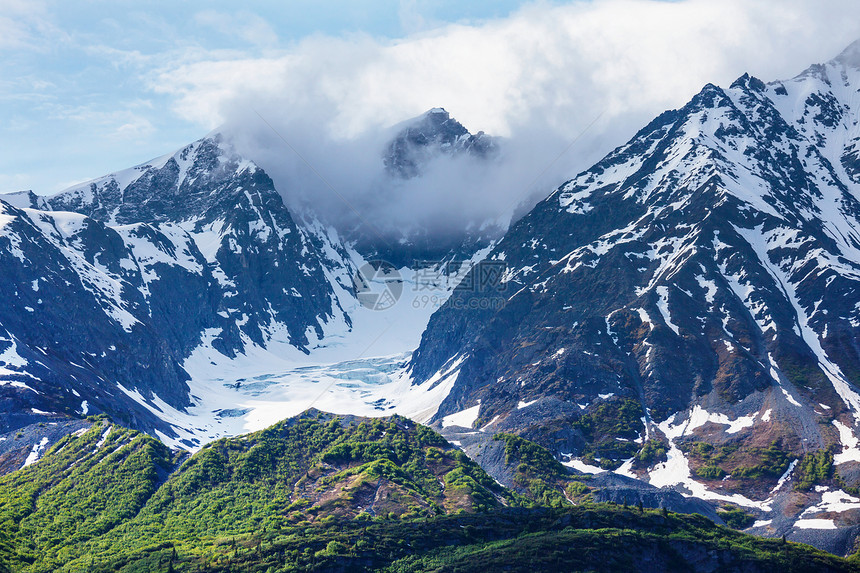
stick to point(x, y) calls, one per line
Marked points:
point(326, 493)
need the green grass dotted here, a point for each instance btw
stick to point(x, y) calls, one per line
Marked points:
point(323, 493)
point(83, 502)
point(538, 475)
point(587, 538)
point(735, 517)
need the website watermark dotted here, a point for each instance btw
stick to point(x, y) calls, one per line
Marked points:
point(458, 285)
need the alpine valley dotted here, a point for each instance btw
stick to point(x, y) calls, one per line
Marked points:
point(200, 373)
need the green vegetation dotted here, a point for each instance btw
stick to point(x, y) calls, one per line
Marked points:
point(538, 474)
point(814, 468)
point(610, 430)
point(773, 463)
point(619, 540)
point(598, 537)
point(710, 471)
point(715, 462)
point(84, 487)
point(735, 517)
point(652, 452)
point(323, 493)
point(6, 552)
point(88, 499)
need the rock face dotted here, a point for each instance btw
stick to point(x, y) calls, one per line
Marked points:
point(698, 285)
point(685, 312)
point(429, 135)
point(437, 142)
point(119, 286)
point(114, 283)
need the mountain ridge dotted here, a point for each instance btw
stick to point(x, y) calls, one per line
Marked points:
point(706, 271)
point(322, 492)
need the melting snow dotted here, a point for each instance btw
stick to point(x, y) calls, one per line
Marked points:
point(35, 453)
point(583, 467)
point(709, 286)
point(786, 475)
point(104, 437)
point(464, 418)
point(832, 501)
point(699, 417)
point(675, 471)
point(626, 468)
point(663, 306)
point(815, 524)
point(850, 452)
point(490, 423)
point(758, 240)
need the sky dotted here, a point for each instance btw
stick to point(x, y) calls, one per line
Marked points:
point(88, 87)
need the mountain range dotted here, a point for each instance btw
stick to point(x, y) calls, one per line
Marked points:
point(682, 316)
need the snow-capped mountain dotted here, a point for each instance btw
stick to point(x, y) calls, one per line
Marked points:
point(155, 293)
point(704, 277)
point(685, 312)
point(429, 135)
point(433, 145)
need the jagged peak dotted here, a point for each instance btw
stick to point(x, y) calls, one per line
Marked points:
point(747, 81)
point(847, 58)
point(433, 131)
point(214, 148)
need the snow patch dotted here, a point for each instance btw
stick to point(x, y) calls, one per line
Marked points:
point(850, 451)
point(663, 307)
point(583, 467)
point(786, 475)
point(104, 437)
point(675, 471)
point(626, 469)
point(815, 524)
point(464, 418)
point(35, 453)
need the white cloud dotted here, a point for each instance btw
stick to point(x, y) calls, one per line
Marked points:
point(135, 128)
point(243, 25)
point(25, 24)
point(119, 124)
point(539, 76)
point(560, 65)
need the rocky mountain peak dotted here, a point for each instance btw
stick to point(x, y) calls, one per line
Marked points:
point(428, 135)
point(686, 283)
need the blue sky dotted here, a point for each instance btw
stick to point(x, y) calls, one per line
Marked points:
point(92, 86)
point(76, 100)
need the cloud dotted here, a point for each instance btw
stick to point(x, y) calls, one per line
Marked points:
point(115, 125)
point(243, 25)
point(556, 63)
point(25, 24)
point(545, 76)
